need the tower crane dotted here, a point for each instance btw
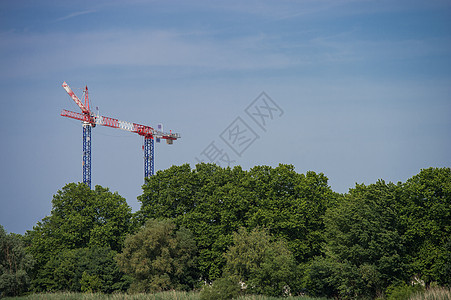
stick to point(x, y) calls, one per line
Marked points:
point(89, 120)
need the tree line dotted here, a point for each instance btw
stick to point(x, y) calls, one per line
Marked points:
point(228, 232)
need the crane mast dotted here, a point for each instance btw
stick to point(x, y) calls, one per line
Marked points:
point(87, 153)
point(90, 120)
point(148, 157)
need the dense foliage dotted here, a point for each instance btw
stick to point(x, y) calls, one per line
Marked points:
point(91, 269)
point(261, 264)
point(382, 236)
point(214, 202)
point(265, 231)
point(425, 212)
point(365, 250)
point(15, 265)
point(82, 222)
point(160, 258)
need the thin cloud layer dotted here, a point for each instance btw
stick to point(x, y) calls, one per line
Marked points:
point(75, 14)
point(25, 54)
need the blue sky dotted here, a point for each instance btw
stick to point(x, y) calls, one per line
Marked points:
point(363, 90)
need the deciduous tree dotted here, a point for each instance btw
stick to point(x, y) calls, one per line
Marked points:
point(364, 249)
point(160, 258)
point(213, 202)
point(82, 269)
point(262, 264)
point(80, 218)
point(15, 265)
point(425, 211)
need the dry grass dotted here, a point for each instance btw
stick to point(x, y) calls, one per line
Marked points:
point(170, 295)
point(437, 293)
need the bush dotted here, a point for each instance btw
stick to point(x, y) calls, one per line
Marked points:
point(402, 291)
point(90, 283)
point(222, 289)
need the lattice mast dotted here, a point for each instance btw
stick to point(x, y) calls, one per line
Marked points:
point(89, 120)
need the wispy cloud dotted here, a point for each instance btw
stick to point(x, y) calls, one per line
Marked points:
point(137, 48)
point(25, 54)
point(75, 14)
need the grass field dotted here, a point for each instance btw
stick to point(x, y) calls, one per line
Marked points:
point(170, 295)
point(432, 294)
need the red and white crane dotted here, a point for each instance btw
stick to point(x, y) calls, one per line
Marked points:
point(90, 120)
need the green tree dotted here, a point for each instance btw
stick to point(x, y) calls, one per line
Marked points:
point(381, 236)
point(208, 200)
point(80, 218)
point(320, 277)
point(291, 205)
point(425, 210)
point(90, 283)
point(15, 265)
point(262, 264)
point(160, 258)
point(364, 245)
point(214, 202)
point(78, 270)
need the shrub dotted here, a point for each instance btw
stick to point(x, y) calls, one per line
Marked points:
point(402, 291)
point(222, 289)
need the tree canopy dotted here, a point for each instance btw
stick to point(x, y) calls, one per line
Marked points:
point(266, 230)
point(364, 247)
point(15, 265)
point(213, 202)
point(263, 265)
point(425, 212)
point(160, 258)
point(382, 235)
point(80, 218)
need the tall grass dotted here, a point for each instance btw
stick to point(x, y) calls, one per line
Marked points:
point(169, 295)
point(437, 293)
point(260, 297)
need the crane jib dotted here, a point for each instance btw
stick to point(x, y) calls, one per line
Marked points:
point(74, 97)
point(115, 123)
